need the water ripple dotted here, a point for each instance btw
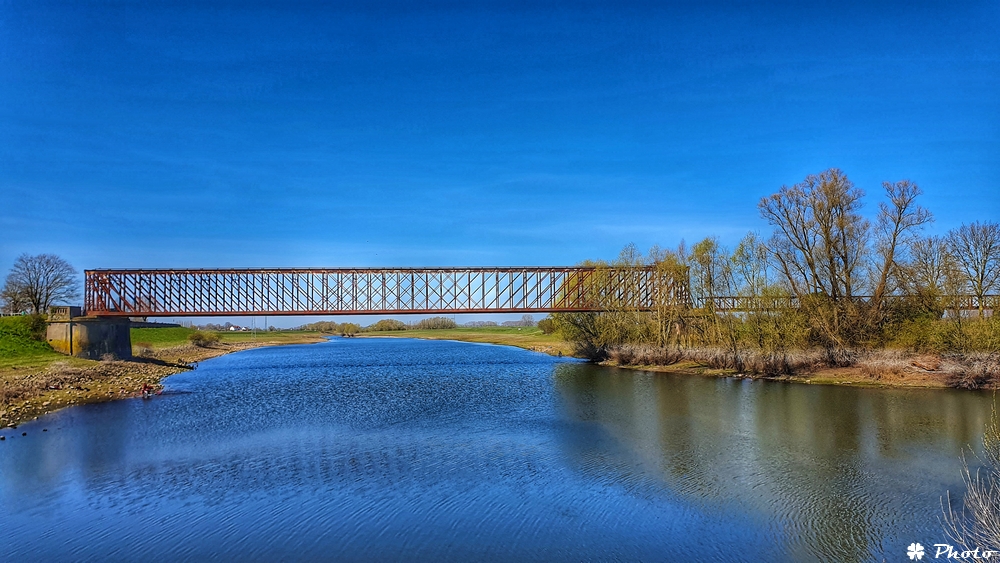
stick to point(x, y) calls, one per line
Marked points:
point(362, 450)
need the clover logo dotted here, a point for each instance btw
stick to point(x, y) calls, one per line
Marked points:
point(915, 551)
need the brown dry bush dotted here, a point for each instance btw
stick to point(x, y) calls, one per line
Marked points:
point(644, 355)
point(884, 365)
point(783, 363)
point(972, 371)
point(749, 362)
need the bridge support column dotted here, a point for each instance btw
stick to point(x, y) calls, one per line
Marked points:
point(90, 337)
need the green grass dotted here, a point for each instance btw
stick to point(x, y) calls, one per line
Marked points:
point(162, 337)
point(178, 336)
point(277, 336)
point(531, 338)
point(22, 337)
point(21, 347)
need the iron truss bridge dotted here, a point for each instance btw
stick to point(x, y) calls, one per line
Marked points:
point(364, 291)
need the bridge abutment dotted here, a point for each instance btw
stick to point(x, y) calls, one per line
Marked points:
point(88, 337)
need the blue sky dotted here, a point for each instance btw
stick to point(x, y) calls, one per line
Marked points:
point(240, 134)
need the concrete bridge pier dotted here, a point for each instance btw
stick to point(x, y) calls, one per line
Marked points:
point(88, 337)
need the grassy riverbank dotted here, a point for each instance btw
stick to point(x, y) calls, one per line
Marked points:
point(35, 380)
point(528, 338)
point(882, 368)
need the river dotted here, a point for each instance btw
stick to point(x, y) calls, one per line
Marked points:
point(412, 450)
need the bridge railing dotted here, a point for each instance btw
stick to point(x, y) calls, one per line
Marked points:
point(742, 303)
point(309, 291)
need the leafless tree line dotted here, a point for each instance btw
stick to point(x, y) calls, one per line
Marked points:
point(827, 277)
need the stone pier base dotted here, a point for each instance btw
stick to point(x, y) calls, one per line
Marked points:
point(91, 337)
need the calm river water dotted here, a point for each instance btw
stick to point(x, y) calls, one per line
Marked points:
point(403, 450)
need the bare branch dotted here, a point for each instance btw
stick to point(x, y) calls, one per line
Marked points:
point(37, 282)
point(976, 248)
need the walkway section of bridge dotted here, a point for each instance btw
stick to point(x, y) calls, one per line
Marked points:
point(742, 304)
point(343, 291)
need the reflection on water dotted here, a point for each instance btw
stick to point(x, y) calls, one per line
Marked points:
point(402, 449)
point(836, 473)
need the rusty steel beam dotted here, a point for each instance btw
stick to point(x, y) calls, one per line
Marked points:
point(364, 291)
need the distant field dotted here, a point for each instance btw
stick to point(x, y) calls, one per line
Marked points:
point(277, 336)
point(178, 336)
point(530, 338)
point(161, 337)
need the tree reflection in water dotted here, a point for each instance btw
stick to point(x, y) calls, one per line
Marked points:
point(833, 471)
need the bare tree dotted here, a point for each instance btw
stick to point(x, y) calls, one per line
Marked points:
point(710, 272)
point(749, 264)
point(819, 247)
point(932, 276)
point(40, 281)
point(673, 295)
point(12, 301)
point(821, 238)
point(976, 248)
point(930, 263)
point(897, 222)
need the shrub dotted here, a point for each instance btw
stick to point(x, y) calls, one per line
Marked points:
point(387, 324)
point(750, 361)
point(436, 323)
point(886, 365)
point(547, 326)
point(203, 339)
point(973, 371)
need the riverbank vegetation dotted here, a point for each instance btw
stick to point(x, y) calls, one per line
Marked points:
point(829, 289)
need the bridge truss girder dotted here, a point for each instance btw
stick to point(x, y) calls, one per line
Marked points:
point(354, 291)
